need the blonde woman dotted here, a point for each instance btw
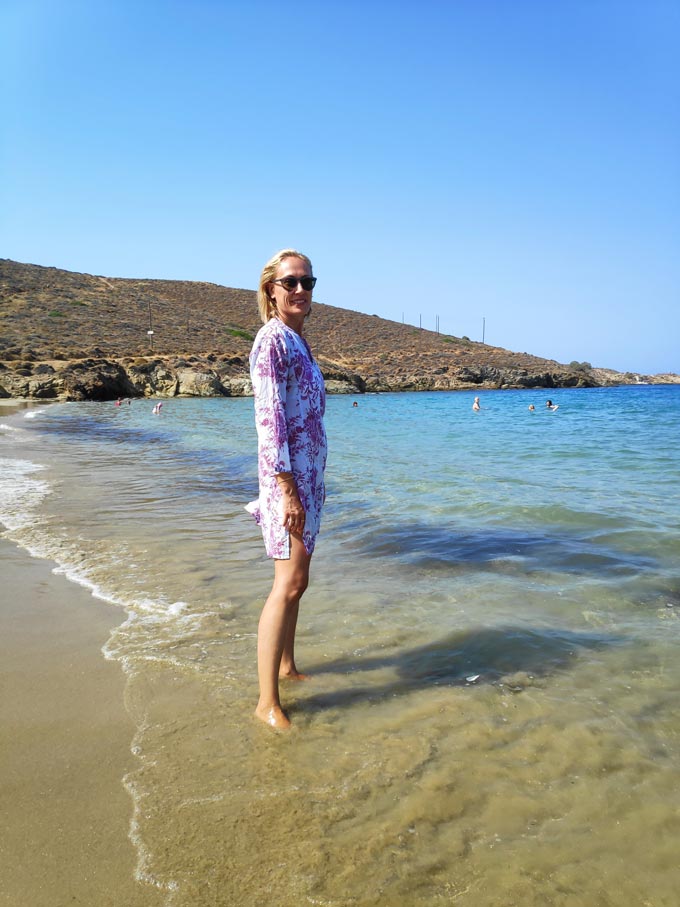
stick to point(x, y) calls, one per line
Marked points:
point(289, 409)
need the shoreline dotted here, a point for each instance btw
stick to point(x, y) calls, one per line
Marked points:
point(171, 378)
point(65, 744)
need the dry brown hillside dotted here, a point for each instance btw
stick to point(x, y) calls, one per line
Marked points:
point(51, 316)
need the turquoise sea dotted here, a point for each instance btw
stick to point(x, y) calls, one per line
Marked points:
point(491, 625)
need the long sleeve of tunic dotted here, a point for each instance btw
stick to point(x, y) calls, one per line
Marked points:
point(290, 402)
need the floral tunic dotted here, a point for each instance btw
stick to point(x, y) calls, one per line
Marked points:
point(290, 401)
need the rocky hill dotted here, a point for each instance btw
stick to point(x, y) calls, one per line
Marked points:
point(78, 336)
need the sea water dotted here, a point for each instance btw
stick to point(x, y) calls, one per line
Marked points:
point(491, 628)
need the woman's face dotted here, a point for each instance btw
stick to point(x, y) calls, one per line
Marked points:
point(292, 306)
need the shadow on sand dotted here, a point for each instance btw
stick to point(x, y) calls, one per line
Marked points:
point(489, 655)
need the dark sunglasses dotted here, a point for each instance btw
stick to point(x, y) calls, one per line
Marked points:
point(291, 283)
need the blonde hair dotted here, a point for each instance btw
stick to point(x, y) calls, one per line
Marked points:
point(264, 301)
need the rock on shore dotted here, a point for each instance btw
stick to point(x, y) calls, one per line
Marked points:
point(109, 379)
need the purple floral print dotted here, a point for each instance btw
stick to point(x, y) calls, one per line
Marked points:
point(290, 401)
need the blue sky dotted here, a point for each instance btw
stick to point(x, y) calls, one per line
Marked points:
point(513, 163)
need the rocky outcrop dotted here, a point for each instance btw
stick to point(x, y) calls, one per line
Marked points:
point(23, 382)
point(87, 379)
point(198, 383)
point(105, 379)
point(482, 378)
point(521, 377)
point(238, 387)
point(153, 378)
point(95, 379)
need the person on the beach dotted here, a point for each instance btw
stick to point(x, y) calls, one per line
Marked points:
point(290, 402)
point(475, 406)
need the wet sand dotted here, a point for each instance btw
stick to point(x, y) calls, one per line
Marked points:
point(65, 746)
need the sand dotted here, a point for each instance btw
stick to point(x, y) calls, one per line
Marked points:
point(64, 745)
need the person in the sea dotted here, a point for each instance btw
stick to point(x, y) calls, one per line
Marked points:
point(290, 402)
point(532, 408)
point(550, 405)
point(475, 406)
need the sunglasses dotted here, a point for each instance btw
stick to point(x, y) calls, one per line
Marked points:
point(291, 283)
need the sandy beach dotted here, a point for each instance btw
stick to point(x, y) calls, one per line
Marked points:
point(65, 744)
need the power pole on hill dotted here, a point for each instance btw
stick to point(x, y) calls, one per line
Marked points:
point(149, 333)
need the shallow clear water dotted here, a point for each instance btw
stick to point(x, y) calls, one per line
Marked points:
point(491, 625)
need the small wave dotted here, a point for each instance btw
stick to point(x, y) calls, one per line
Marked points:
point(96, 566)
point(20, 492)
point(143, 871)
point(139, 608)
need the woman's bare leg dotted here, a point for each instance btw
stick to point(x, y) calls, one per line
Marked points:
point(276, 631)
point(288, 668)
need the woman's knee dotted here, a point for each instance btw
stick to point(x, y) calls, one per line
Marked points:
point(292, 576)
point(301, 585)
point(293, 586)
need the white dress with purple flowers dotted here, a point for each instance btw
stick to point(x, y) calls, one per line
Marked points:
point(290, 401)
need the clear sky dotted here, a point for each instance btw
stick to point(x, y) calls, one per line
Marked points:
point(507, 163)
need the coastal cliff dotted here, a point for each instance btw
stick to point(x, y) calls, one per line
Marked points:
point(71, 336)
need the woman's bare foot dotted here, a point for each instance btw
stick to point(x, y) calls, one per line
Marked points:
point(273, 715)
point(293, 675)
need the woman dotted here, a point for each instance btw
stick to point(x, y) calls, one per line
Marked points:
point(289, 407)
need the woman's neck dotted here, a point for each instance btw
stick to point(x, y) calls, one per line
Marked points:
point(295, 324)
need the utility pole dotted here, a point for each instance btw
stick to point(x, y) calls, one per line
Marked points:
point(483, 329)
point(149, 333)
